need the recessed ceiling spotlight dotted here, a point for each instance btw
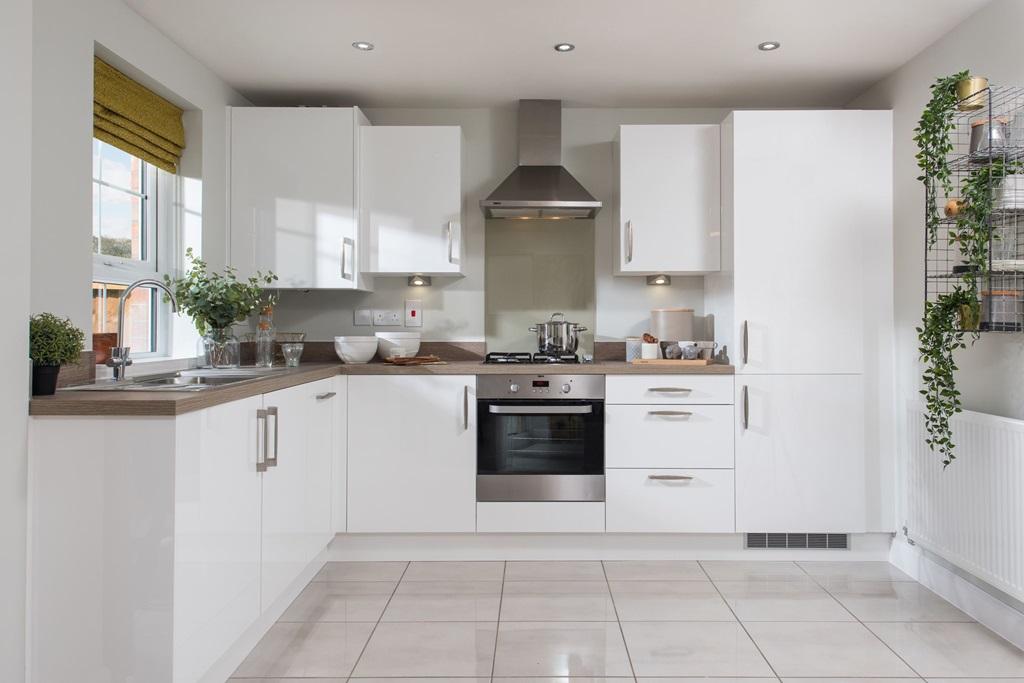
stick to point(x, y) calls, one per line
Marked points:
point(769, 45)
point(362, 45)
point(564, 47)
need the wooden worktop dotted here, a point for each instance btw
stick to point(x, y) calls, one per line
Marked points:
point(170, 403)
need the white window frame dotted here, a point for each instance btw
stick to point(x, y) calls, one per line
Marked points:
point(161, 228)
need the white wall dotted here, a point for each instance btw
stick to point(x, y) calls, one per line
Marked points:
point(454, 307)
point(988, 44)
point(66, 35)
point(15, 185)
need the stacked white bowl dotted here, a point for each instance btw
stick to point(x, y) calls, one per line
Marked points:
point(398, 344)
point(355, 349)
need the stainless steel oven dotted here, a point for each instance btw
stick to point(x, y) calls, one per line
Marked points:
point(540, 438)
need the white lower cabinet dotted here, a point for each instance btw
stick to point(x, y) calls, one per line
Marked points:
point(800, 453)
point(296, 511)
point(540, 517)
point(668, 389)
point(412, 453)
point(668, 436)
point(675, 501)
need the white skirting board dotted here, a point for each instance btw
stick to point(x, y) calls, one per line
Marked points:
point(981, 603)
point(501, 546)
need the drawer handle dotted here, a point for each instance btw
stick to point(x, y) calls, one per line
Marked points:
point(670, 413)
point(671, 390)
point(670, 477)
point(326, 395)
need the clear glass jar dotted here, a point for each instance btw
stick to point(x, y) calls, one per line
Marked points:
point(265, 338)
point(222, 348)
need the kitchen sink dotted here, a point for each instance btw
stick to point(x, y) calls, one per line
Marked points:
point(186, 380)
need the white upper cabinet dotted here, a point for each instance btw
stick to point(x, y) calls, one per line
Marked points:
point(294, 195)
point(800, 463)
point(412, 453)
point(668, 199)
point(808, 206)
point(412, 199)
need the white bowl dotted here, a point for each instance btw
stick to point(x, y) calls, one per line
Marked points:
point(394, 344)
point(355, 349)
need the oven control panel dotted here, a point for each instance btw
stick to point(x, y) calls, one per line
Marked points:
point(546, 387)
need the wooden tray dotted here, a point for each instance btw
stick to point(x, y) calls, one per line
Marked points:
point(670, 361)
point(415, 360)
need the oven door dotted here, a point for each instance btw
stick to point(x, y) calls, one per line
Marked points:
point(537, 450)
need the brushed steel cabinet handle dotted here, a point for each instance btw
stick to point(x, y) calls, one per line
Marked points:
point(465, 407)
point(345, 242)
point(670, 477)
point(326, 395)
point(272, 412)
point(670, 413)
point(745, 342)
point(450, 243)
point(629, 241)
point(261, 440)
point(671, 390)
point(746, 407)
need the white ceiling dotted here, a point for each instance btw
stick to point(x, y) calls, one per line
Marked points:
point(693, 53)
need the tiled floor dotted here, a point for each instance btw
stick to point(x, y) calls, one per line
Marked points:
point(623, 621)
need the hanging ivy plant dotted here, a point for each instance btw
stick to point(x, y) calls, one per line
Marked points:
point(933, 144)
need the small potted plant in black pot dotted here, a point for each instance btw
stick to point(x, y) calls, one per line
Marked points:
point(52, 342)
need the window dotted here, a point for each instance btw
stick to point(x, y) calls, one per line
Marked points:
point(129, 242)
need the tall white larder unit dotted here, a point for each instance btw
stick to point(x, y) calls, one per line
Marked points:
point(803, 306)
point(294, 195)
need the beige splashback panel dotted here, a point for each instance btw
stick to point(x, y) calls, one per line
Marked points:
point(533, 269)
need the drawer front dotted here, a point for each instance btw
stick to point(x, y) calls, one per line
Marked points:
point(668, 389)
point(540, 517)
point(669, 436)
point(643, 501)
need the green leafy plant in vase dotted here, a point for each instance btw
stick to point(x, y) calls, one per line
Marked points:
point(216, 302)
point(52, 342)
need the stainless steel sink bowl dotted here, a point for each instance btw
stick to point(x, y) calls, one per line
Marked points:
point(186, 380)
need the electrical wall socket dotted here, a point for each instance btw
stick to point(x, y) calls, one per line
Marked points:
point(363, 317)
point(413, 313)
point(386, 318)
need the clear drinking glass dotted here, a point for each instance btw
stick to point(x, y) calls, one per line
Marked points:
point(292, 353)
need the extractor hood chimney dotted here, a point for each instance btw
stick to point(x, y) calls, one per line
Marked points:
point(540, 188)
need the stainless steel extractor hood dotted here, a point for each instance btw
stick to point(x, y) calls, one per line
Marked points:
point(540, 187)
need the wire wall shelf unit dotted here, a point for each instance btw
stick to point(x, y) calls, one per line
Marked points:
point(987, 163)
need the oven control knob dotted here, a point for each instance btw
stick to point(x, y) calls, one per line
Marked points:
point(566, 388)
point(513, 388)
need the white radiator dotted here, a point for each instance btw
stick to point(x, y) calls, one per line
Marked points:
point(972, 513)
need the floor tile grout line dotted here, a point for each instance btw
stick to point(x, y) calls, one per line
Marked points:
point(497, 625)
point(740, 622)
point(618, 621)
point(863, 625)
point(381, 617)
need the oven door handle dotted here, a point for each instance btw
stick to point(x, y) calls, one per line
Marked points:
point(540, 410)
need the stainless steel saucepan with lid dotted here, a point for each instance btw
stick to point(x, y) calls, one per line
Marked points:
point(557, 335)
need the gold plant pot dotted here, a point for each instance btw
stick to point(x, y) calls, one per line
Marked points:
point(971, 93)
point(970, 317)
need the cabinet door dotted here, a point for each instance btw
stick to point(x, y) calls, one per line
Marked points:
point(412, 454)
point(216, 533)
point(670, 501)
point(800, 453)
point(297, 489)
point(411, 180)
point(808, 235)
point(339, 468)
point(669, 199)
point(293, 195)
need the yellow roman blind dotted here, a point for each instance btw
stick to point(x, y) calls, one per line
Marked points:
point(134, 119)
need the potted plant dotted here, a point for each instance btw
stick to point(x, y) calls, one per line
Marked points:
point(215, 302)
point(52, 342)
point(933, 144)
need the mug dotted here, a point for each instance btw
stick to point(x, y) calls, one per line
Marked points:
point(650, 351)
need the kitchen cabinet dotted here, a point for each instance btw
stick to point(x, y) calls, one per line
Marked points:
point(800, 461)
point(294, 195)
point(668, 199)
point(179, 542)
point(669, 436)
point(670, 501)
point(412, 453)
point(339, 449)
point(540, 517)
point(296, 509)
point(666, 389)
point(808, 227)
point(411, 198)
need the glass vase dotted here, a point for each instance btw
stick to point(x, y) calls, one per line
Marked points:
point(222, 348)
